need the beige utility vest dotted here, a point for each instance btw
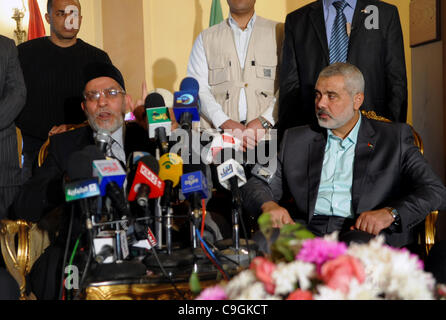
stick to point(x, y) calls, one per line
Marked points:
point(259, 77)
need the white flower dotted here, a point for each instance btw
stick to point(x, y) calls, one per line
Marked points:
point(288, 275)
point(239, 283)
point(395, 273)
point(255, 292)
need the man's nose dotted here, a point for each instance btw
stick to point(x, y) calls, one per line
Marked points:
point(102, 101)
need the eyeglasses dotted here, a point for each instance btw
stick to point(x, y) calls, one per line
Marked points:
point(108, 93)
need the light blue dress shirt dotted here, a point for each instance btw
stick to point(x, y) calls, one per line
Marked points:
point(330, 15)
point(335, 189)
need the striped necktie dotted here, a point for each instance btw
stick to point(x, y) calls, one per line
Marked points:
point(339, 37)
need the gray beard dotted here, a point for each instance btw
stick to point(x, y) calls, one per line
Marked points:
point(118, 124)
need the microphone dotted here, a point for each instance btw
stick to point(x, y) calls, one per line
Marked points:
point(231, 176)
point(220, 142)
point(82, 184)
point(103, 139)
point(262, 173)
point(82, 189)
point(146, 183)
point(159, 123)
point(111, 177)
point(171, 170)
point(105, 252)
point(194, 187)
point(187, 103)
point(109, 172)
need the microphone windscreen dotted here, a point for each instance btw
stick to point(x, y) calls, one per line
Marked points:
point(80, 163)
point(189, 84)
point(151, 163)
point(167, 96)
point(134, 157)
point(154, 100)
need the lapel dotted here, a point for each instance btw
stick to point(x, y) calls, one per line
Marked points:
point(357, 25)
point(86, 138)
point(317, 20)
point(315, 161)
point(365, 147)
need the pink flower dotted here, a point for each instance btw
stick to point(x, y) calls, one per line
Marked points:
point(263, 269)
point(300, 295)
point(338, 273)
point(213, 293)
point(318, 251)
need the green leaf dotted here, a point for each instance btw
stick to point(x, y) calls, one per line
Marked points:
point(265, 222)
point(194, 283)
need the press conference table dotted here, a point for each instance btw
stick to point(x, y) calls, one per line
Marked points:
point(155, 286)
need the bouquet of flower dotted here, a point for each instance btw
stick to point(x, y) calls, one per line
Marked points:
point(302, 267)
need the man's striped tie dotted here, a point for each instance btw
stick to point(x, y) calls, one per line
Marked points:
point(339, 37)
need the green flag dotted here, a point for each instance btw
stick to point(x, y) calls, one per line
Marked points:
point(216, 13)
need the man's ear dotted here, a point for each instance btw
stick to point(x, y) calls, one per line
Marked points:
point(358, 100)
point(83, 105)
point(47, 18)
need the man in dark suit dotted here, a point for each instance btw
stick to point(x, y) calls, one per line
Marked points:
point(12, 100)
point(375, 45)
point(42, 198)
point(9, 289)
point(348, 173)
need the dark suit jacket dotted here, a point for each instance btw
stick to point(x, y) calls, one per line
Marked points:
point(44, 191)
point(389, 170)
point(378, 53)
point(12, 100)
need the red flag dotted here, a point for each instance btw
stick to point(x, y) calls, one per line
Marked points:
point(36, 29)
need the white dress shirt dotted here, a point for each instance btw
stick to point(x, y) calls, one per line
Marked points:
point(198, 69)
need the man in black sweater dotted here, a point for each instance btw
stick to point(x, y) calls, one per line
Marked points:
point(52, 68)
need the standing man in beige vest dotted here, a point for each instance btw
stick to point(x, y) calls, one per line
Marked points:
point(236, 64)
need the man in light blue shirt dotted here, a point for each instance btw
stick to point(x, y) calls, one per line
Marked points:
point(334, 196)
point(350, 174)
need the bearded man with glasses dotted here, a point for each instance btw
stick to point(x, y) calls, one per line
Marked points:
point(105, 102)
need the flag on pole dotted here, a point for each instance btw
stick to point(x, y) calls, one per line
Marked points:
point(216, 13)
point(36, 29)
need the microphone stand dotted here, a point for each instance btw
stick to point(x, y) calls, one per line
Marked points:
point(167, 212)
point(236, 216)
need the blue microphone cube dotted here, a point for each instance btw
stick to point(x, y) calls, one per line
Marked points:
point(194, 182)
point(187, 101)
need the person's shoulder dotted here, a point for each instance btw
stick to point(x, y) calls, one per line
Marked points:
point(5, 41)
point(382, 4)
point(304, 10)
point(33, 44)
point(215, 27)
point(89, 47)
point(6, 44)
point(268, 21)
point(70, 135)
point(303, 133)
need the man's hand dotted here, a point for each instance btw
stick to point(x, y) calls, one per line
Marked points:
point(256, 133)
point(58, 129)
point(235, 129)
point(373, 222)
point(279, 215)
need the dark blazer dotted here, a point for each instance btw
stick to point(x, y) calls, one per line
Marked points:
point(12, 100)
point(44, 191)
point(378, 53)
point(389, 170)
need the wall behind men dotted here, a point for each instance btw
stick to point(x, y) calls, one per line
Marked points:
point(169, 28)
point(91, 28)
